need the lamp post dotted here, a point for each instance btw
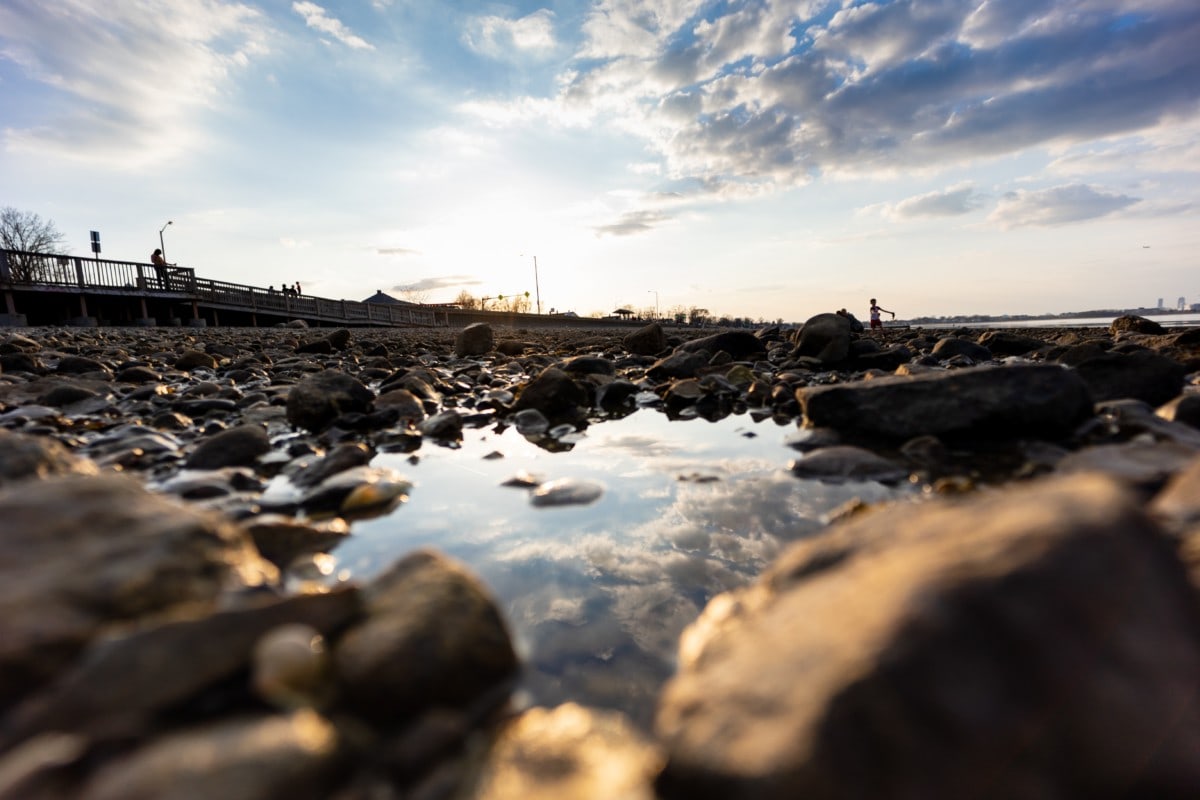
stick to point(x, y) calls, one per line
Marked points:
point(657, 313)
point(536, 288)
point(162, 246)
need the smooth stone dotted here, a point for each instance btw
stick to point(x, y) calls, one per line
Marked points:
point(647, 341)
point(566, 492)
point(240, 446)
point(474, 340)
point(319, 399)
point(842, 463)
point(23, 456)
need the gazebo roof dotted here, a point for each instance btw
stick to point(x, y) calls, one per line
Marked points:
point(380, 297)
point(624, 312)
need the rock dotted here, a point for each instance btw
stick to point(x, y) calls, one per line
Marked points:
point(952, 346)
point(825, 337)
point(647, 341)
point(193, 359)
point(1179, 502)
point(846, 462)
point(125, 682)
point(1131, 323)
point(262, 757)
point(240, 446)
point(405, 402)
point(568, 752)
point(1185, 408)
point(446, 426)
point(1140, 464)
point(78, 552)
point(138, 374)
point(554, 393)
point(64, 394)
point(511, 347)
point(23, 456)
point(339, 340)
point(1041, 636)
point(282, 539)
point(888, 360)
point(588, 365)
point(80, 365)
point(319, 399)
point(474, 340)
point(1143, 375)
point(983, 401)
point(292, 667)
point(432, 637)
point(339, 459)
point(358, 491)
point(741, 345)
point(566, 492)
point(680, 364)
point(1007, 343)
point(21, 362)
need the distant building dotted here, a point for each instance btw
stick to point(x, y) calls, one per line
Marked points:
point(1160, 303)
point(1182, 304)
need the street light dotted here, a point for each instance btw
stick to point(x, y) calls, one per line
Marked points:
point(162, 246)
point(657, 313)
point(537, 289)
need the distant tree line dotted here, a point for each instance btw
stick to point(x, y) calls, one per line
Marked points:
point(28, 233)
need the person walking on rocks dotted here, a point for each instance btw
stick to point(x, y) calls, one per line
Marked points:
point(876, 322)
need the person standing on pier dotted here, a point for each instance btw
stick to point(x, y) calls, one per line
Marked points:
point(161, 268)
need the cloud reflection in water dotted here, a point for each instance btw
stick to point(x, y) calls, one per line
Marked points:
point(597, 596)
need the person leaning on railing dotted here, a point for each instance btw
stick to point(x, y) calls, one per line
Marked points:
point(161, 268)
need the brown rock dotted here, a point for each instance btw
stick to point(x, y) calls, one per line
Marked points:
point(1033, 642)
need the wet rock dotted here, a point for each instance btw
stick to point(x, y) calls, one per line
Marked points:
point(339, 339)
point(138, 374)
point(1140, 464)
point(741, 345)
point(195, 359)
point(124, 682)
point(1185, 409)
point(568, 752)
point(358, 490)
point(1007, 343)
point(554, 393)
point(446, 426)
point(531, 422)
point(21, 362)
point(260, 757)
point(1131, 323)
point(848, 463)
point(886, 360)
point(339, 459)
point(23, 456)
point(292, 667)
point(282, 539)
point(240, 446)
point(511, 347)
point(315, 402)
point(588, 365)
point(680, 364)
point(825, 337)
point(952, 346)
point(1040, 636)
point(1143, 375)
point(405, 402)
point(647, 341)
point(474, 340)
point(566, 492)
point(60, 581)
point(64, 394)
point(432, 637)
point(1179, 502)
point(80, 365)
point(985, 401)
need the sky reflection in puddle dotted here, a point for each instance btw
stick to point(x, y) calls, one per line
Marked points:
point(597, 595)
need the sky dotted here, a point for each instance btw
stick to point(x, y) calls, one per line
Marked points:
point(755, 158)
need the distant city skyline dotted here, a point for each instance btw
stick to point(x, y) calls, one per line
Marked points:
point(757, 158)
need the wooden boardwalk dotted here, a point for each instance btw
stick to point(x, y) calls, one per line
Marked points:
point(42, 288)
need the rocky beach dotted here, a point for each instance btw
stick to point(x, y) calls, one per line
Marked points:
point(1023, 622)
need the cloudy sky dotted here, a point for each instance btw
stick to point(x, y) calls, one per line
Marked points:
point(756, 158)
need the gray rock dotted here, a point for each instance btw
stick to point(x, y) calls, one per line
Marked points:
point(554, 393)
point(825, 337)
point(23, 456)
point(1143, 375)
point(253, 758)
point(78, 552)
point(680, 364)
point(80, 365)
point(405, 402)
point(240, 446)
point(433, 637)
point(474, 340)
point(341, 458)
point(567, 752)
point(1007, 343)
point(124, 682)
point(21, 362)
point(983, 401)
point(588, 365)
point(318, 400)
point(194, 359)
point(282, 539)
point(1185, 409)
point(1131, 323)
point(647, 341)
point(742, 345)
point(952, 346)
point(1179, 501)
point(1147, 465)
point(1040, 636)
point(848, 463)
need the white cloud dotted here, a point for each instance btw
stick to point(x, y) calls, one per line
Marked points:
point(951, 202)
point(500, 37)
point(1058, 205)
point(130, 79)
point(318, 19)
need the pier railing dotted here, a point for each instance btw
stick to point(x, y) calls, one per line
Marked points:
point(20, 269)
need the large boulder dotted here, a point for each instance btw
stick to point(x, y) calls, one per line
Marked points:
point(825, 337)
point(319, 399)
point(239, 446)
point(474, 340)
point(1132, 323)
point(739, 344)
point(1027, 399)
point(554, 393)
point(647, 341)
point(1034, 642)
point(1142, 374)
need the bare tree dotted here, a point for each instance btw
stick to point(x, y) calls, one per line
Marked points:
point(697, 316)
point(413, 294)
point(466, 300)
point(27, 232)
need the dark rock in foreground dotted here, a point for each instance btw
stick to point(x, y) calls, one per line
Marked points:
point(1035, 643)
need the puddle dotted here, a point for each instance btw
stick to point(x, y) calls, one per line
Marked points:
point(597, 593)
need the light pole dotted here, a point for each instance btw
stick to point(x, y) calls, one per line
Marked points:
point(537, 289)
point(162, 246)
point(657, 313)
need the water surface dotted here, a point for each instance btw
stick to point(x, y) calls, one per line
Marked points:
point(596, 595)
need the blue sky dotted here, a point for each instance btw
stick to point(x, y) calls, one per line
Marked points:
point(755, 158)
